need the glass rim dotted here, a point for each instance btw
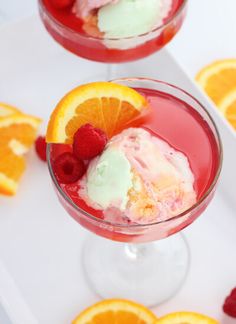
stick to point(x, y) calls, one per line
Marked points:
point(169, 20)
point(187, 211)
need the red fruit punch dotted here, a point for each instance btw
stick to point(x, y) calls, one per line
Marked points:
point(89, 142)
point(41, 147)
point(62, 4)
point(68, 168)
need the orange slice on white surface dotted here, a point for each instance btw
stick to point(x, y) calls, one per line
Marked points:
point(6, 110)
point(116, 311)
point(186, 318)
point(105, 105)
point(18, 131)
point(12, 167)
point(227, 107)
point(17, 134)
point(218, 79)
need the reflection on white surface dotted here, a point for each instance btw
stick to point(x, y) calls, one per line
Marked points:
point(4, 319)
point(12, 300)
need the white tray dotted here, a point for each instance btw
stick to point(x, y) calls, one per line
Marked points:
point(41, 280)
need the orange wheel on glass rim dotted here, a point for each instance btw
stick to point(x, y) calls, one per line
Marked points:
point(105, 105)
point(116, 311)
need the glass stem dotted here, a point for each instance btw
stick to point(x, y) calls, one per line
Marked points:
point(111, 71)
point(136, 251)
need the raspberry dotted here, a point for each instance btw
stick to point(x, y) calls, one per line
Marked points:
point(233, 294)
point(68, 168)
point(41, 147)
point(89, 142)
point(62, 4)
point(58, 149)
point(229, 306)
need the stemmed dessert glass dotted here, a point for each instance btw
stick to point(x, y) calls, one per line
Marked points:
point(114, 50)
point(150, 263)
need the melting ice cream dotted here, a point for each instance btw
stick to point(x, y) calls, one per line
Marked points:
point(116, 20)
point(139, 178)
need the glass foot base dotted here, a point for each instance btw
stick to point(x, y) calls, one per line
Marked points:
point(147, 273)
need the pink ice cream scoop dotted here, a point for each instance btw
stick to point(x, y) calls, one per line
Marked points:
point(83, 8)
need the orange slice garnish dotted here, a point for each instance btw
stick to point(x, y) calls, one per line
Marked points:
point(6, 110)
point(116, 311)
point(186, 318)
point(17, 134)
point(105, 105)
point(218, 79)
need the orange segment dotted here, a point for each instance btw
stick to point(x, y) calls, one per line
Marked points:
point(20, 128)
point(186, 318)
point(11, 169)
point(106, 105)
point(228, 107)
point(126, 113)
point(116, 311)
point(17, 134)
point(218, 78)
point(6, 110)
point(219, 82)
point(110, 114)
point(89, 111)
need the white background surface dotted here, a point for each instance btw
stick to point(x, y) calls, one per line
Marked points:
point(208, 33)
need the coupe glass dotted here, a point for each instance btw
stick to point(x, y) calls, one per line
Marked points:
point(113, 50)
point(151, 263)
